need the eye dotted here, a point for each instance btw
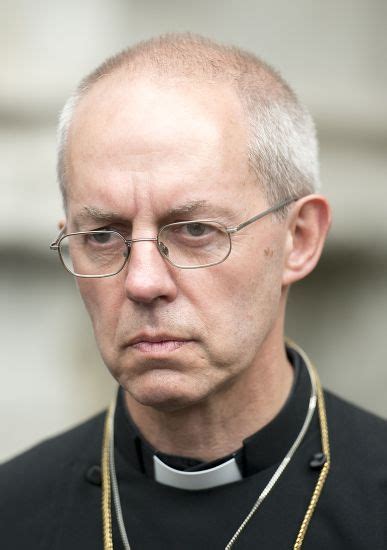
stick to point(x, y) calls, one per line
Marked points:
point(101, 237)
point(196, 229)
point(190, 234)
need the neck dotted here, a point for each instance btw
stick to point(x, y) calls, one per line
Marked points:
point(217, 425)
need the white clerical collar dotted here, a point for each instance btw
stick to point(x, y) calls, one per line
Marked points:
point(228, 472)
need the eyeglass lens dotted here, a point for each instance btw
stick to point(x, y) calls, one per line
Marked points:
point(98, 253)
point(193, 244)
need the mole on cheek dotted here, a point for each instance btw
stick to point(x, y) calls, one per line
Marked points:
point(269, 252)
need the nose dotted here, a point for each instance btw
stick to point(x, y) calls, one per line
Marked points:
point(148, 276)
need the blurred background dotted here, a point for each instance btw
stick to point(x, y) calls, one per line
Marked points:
point(332, 53)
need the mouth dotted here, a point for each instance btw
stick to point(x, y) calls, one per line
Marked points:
point(157, 343)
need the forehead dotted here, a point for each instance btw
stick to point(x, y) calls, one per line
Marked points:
point(156, 139)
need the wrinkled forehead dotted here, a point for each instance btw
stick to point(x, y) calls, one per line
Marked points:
point(146, 137)
point(144, 114)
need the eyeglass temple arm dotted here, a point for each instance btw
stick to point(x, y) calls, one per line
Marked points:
point(55, 245)
point(261, 215)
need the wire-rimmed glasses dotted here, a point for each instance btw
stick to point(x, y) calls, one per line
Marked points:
point(187, 245)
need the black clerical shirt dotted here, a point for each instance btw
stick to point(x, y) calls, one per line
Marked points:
point(267, 446)
point(50, 496)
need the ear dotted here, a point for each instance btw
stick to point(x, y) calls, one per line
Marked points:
point(61, 224)
point(308, 226)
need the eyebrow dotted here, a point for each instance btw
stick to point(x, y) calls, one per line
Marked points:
point(95, 213)
point(201, 207)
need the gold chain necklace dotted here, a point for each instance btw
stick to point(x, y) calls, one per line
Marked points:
point(107, 482)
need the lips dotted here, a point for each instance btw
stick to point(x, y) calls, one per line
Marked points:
point(158, 343)
point(156, 338)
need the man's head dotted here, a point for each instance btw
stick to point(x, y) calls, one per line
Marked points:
point(166, 133)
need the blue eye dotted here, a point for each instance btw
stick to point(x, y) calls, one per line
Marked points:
point(196, 229)
point(102, 237)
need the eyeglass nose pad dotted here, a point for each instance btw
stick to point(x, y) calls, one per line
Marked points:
point(127, 251)
point(163, 249)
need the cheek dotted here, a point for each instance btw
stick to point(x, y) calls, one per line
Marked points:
point(243, 301)
point(101, 298)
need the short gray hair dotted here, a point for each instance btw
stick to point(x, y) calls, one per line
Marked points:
point(282, 148)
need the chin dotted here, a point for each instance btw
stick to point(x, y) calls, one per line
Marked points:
point(164, 390)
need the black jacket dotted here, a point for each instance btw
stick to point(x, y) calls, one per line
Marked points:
point(50, 496)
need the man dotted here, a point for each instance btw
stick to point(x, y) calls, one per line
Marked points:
point(189, 175)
